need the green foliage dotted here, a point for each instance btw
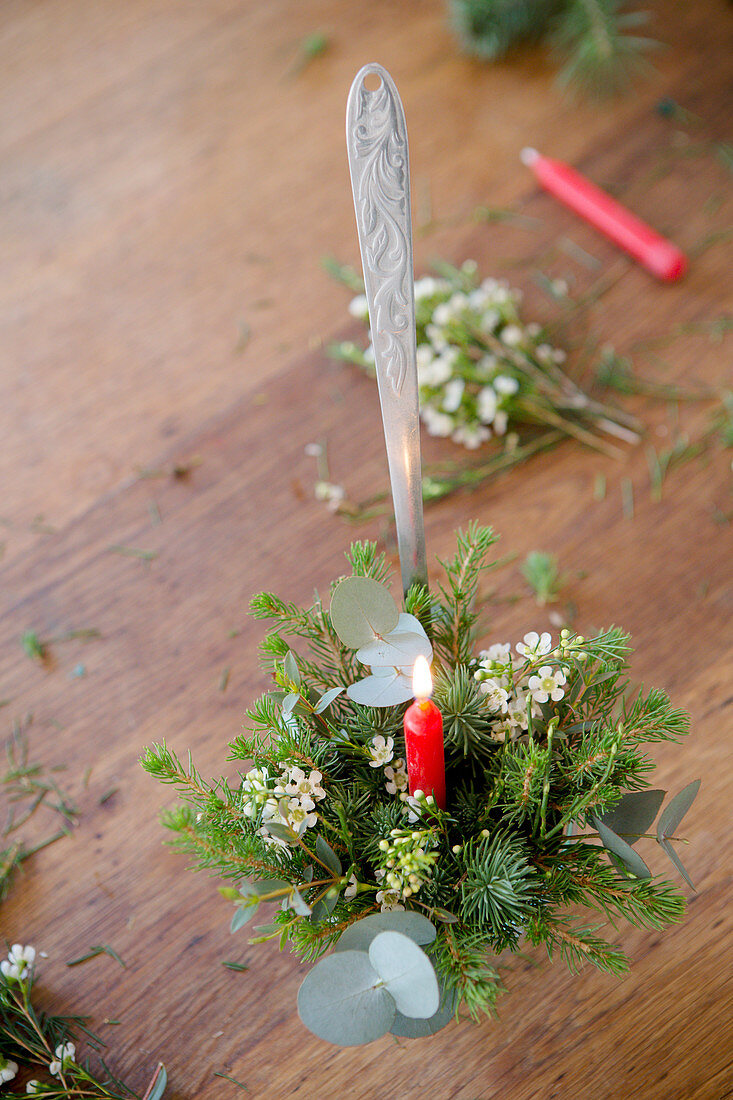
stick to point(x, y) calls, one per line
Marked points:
point(497, 890)
point(542, 573)
point(489, 28)
point(455, 617)
point(593, 38)
point(32, 1039)
point(504, 862)
point(462, 958)
point(27, 788)
point(33, 647)
point(466, 722)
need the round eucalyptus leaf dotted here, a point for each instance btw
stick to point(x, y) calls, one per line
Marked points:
point(361, 609)
point(415, 1028)
point(343, 1001)
point(359, 935)
point(407, 974)
point(399, 647)
point(381, 690)
point(410, 624)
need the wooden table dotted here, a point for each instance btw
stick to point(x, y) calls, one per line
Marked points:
point(168, 184)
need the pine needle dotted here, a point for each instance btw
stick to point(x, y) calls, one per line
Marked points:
point(94, 952)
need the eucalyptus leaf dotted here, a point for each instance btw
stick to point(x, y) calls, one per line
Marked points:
point(297, 902)
point(634, 814)
point(361, 609)
point(630, 859)
point(289, 703)
point(324, 906)
point(359, 935)
point(666, 846)
point(326, 699)
point(160, 1081)
point(265, 932)
point(407, 974)
point(280, 830)
point(676, 809)
point(400, 647)
point(416, 1028)
point(269, 885)
point(343, 1001)
point(243, 914)
point(326, 854)
point(381, 690)
point(290, 666)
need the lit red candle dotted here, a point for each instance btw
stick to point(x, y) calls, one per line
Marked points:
point(424, 738)
point(658, 255)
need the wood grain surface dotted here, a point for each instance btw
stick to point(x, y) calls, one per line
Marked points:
point(169, 182)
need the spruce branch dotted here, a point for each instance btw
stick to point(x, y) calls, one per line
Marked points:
point(455, 618)
point(594, 39)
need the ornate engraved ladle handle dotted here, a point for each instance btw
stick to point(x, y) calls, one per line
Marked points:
point(376, 139)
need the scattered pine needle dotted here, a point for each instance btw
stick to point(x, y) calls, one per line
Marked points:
point(85, 634)
point(93, 952)
point(234, 1081)
point(599, 487)
point(244, 336)
point(33, 647)
point(134, 552)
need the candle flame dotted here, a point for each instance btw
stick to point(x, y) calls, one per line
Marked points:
point(422, 681)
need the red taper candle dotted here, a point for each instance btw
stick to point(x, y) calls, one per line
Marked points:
point(658, 255)
point(424, 738)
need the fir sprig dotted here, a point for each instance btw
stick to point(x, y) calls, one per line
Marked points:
point(27, 787)
point(594, 39)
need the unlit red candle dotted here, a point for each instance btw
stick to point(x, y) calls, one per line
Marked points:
point(424, 738)
point(658, 255)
